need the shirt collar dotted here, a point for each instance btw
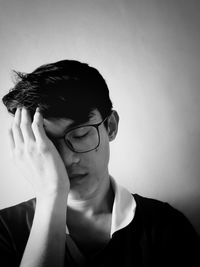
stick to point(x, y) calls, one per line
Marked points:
point(123, 210)
point(123, 207)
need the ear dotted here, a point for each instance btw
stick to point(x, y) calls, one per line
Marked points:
point(113, 122)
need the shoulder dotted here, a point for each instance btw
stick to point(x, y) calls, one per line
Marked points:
point(159, 213)
point(19, 208)
point(167, 228)
point(157, 210)
point(15, 225)
point(16, 214)
point(153, 208)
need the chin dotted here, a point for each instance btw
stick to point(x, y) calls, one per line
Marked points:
point(83, 188)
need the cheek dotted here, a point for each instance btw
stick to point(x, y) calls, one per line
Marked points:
point(101, 155)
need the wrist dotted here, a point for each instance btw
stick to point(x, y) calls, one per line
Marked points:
point(52, 199)
point(51, 193)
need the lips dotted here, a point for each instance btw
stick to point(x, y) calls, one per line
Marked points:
point(77, 175)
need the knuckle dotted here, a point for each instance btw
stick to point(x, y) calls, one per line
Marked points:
point(35, 125)
point(30, 148)
point(43, 148)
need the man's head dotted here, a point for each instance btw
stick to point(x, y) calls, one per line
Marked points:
point(71, 94)
point(64, 89)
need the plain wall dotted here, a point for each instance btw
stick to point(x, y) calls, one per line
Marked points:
point(148, 52)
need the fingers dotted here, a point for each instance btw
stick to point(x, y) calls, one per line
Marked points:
point(24, 132)
point(16, 137)
point(11, 139)
point(26, 128)
point(38, 129)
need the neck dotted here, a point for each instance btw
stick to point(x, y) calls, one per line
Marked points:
point(100, 201)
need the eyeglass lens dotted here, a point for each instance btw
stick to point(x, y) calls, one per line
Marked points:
point(83, 139)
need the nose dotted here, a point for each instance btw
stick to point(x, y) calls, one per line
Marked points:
point(68, 156)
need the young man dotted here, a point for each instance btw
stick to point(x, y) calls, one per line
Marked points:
point(63, 123)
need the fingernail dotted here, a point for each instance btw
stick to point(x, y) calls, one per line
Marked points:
point(37, 109)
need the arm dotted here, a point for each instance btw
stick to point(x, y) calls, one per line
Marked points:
point(38, 159)
point(46, 243)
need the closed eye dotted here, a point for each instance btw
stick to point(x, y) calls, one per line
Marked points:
point(80, 136)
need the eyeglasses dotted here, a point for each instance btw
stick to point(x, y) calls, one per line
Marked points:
point(84, 138)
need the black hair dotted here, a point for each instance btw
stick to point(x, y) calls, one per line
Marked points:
point(64, 89)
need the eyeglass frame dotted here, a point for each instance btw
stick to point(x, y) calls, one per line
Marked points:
point(96, 125)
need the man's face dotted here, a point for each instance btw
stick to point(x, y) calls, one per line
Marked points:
point(88, 172)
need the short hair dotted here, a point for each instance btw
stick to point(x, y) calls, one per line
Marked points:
point(64, 89)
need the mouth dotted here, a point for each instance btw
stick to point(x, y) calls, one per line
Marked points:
point(77, 176)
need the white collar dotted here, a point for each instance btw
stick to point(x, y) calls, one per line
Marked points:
point(123, 207)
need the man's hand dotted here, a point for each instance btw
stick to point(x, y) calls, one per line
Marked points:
point(36, 156)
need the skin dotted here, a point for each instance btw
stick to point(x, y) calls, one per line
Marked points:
point(69, 187)
point(93, 164)
point(90, 198)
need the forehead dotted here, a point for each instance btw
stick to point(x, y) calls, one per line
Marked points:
point(57, 127)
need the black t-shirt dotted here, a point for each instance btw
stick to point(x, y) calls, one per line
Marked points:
point(159, 235)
